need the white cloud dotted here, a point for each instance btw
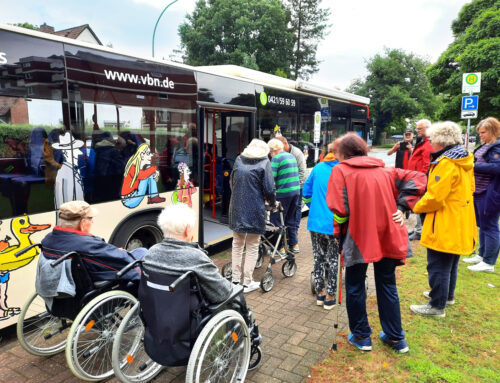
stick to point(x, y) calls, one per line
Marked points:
point(187, 5)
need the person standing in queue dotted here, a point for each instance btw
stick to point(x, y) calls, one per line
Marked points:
point(450, 224)
point(286, 178)
point(252, 184)
point(368, 200)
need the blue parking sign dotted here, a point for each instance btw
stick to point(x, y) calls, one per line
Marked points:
point(470, 102)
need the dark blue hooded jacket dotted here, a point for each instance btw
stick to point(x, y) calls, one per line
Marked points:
point(492, 167)
point(252, 183)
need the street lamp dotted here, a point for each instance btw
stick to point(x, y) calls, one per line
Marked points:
point(156, 25)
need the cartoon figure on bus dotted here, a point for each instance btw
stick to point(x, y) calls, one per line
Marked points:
point(11, 260)
point(140, 179)
point(68, 186)
point(185, 187)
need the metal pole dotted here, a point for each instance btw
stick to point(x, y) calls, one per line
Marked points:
point(156, 25)
point(468, 131)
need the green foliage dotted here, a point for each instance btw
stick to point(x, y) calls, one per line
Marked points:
point(27, 26)
point(309, 24)
point(251, 34)
point(475, 49)
point(398, 89)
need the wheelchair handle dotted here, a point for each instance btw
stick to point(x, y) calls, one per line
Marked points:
point(179, 280)
point(127, 268)
point(26, 249)
point(63, 258)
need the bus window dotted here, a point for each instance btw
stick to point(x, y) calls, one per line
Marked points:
point(29, 163)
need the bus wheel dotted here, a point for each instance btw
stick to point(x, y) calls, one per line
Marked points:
point(139, 231)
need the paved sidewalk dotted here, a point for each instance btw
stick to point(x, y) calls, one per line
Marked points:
point(296, 333)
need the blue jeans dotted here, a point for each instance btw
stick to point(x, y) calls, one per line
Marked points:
point(442, 269)
point(289, 216)
point(489, 232)
point(146, 186)
point(387, 299)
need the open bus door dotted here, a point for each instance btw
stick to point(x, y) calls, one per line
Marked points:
point(226, 131)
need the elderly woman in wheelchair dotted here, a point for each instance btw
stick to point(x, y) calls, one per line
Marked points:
point(187, 314)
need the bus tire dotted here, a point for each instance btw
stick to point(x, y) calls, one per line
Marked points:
point(138, 231)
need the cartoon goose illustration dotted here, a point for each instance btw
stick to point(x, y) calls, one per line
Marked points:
point(21, 229)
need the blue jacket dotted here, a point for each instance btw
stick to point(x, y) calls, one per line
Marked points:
point(492, 167)
point(252, 183)
point(314, 195)
point(102, 259)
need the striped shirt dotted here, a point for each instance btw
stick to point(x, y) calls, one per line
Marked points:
point(286, 175)
point(482, 180)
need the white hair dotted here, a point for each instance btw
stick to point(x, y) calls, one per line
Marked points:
point(445, 133)
point(174, 219)
point(68, 223)
point(427, 124)
point(275, 144)
point(259, 144)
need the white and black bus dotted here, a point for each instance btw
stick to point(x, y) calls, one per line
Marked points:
point(130, 135)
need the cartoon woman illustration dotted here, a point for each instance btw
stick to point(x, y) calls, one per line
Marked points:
point(185, 187)
point(140, 179)
point(68, 186)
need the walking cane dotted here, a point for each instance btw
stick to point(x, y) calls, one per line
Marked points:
point(338, 297)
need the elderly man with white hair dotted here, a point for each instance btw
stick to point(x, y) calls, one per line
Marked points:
point(449, 228)
point(177, 254)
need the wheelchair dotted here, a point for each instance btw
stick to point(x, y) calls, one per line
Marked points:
point(83, 325)
point(173, 325)
point(270, 243)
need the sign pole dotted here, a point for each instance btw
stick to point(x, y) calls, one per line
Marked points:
point(468, 131)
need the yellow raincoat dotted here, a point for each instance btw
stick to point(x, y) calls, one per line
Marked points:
point(450, 223)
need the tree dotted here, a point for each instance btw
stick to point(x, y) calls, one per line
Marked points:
point(248, 33)
point(398, 89)
point(27, 26)
point(476, 48)
point(309, 26)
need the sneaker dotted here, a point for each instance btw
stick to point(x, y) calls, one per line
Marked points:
point(296, 249)
point(282, 253)
point(414, 237)
point(320, 300)
point(364, 344)
point(252, 286)
point(428, 296)
point(411, 232)
point(399, 346)
point(475, 259)
point(428, 310)
point(330, 304)
point(236, 283)
point(482, 266)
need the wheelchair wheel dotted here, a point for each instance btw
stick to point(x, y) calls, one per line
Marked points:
point(90, 339)
point(227, 271)
point(221, 352)
point(289, 268)
point(255, 358)
point(130, 361)
point(313, 284)
point(267, 282)
point(38, 331)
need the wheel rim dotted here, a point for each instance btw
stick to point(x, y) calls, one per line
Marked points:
point(267, 282)
point(227, 271)
point(93, 341)
point(225, 354)
point(289, 269)
point(145, 236)
point(42, 333)
point(255, 358)
point(135, 364)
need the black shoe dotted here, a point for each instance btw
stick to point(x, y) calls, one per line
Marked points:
point(411, 232)
point(414, 237)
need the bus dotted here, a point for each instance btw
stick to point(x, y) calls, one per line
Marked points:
point(131, 135)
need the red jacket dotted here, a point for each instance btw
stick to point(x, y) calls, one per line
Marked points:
point(420, 160)
point(363, 194)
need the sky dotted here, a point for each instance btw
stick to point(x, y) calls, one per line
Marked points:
point(360, 28)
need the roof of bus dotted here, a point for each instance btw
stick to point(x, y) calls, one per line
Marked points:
point(230, 71)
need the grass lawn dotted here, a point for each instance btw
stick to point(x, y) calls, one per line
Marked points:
point(462, 347)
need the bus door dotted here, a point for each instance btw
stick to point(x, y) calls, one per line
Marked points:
point(225, 135)
point(359, 127)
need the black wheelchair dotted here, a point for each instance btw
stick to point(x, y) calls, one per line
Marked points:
point(173, 325)
point(84, 325)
